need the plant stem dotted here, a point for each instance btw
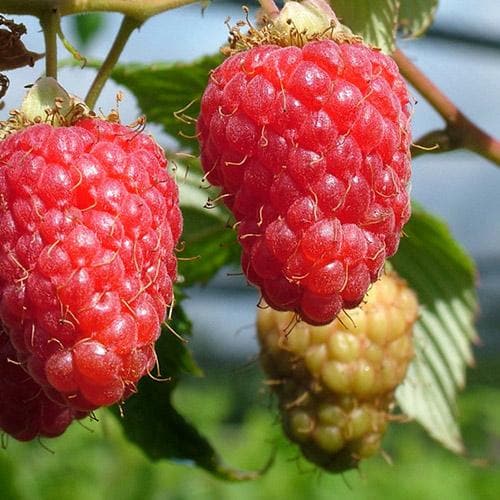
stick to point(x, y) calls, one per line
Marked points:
point(50, 26)
point(136, 9)
point(460, 132)
point(127, 27)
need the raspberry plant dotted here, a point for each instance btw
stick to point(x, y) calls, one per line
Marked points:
point(341, 174)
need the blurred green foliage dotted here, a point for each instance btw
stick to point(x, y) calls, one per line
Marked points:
point(88, 26)
point(232, 407)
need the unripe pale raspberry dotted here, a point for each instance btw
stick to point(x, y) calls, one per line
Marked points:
point(310, 146)
point(334, 432)
point(336, 382)
point(363, 353)
point(89, 220)
point(25, 410)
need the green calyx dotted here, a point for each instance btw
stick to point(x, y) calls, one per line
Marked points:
point(46, 102)
point(310, 19)
point(294, 25)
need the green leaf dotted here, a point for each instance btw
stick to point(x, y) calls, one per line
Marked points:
point(374, 20)
point(87, 26)
point(443, 276)
point(209, 242)
point(377, 20)
point(209, 245)
point(169, 93)
point(150, 420)
point(174, 357)
point(415, 16)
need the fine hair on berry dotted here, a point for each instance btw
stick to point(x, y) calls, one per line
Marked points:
point(89, 222)
point(310, 146)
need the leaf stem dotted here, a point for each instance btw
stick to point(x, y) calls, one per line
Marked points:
point(127, 27)
point(70, 48)
point(460, 132)
point(50, 25)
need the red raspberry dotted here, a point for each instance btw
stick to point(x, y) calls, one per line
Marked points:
point(311, 148)
point(89, 220)
point(25, 411)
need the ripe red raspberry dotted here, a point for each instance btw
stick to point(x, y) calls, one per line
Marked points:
point(89, 220)
point(25, 410)
point(311, 148)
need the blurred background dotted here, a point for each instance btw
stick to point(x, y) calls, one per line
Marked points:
point(461, 54)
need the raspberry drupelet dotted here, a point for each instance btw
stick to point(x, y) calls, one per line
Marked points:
point(25, 410)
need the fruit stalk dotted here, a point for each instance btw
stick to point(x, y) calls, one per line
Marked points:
point(50, 25)
point(127, 27)
point(460, 132)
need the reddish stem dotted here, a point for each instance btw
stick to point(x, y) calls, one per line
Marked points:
point(460, 132)
point(269, 8)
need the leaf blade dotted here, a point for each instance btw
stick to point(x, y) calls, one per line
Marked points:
point(165, 91)
point(87, 26)
point(415, 16)
point(374, 20)
point(443, 276)
point(209, 241)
